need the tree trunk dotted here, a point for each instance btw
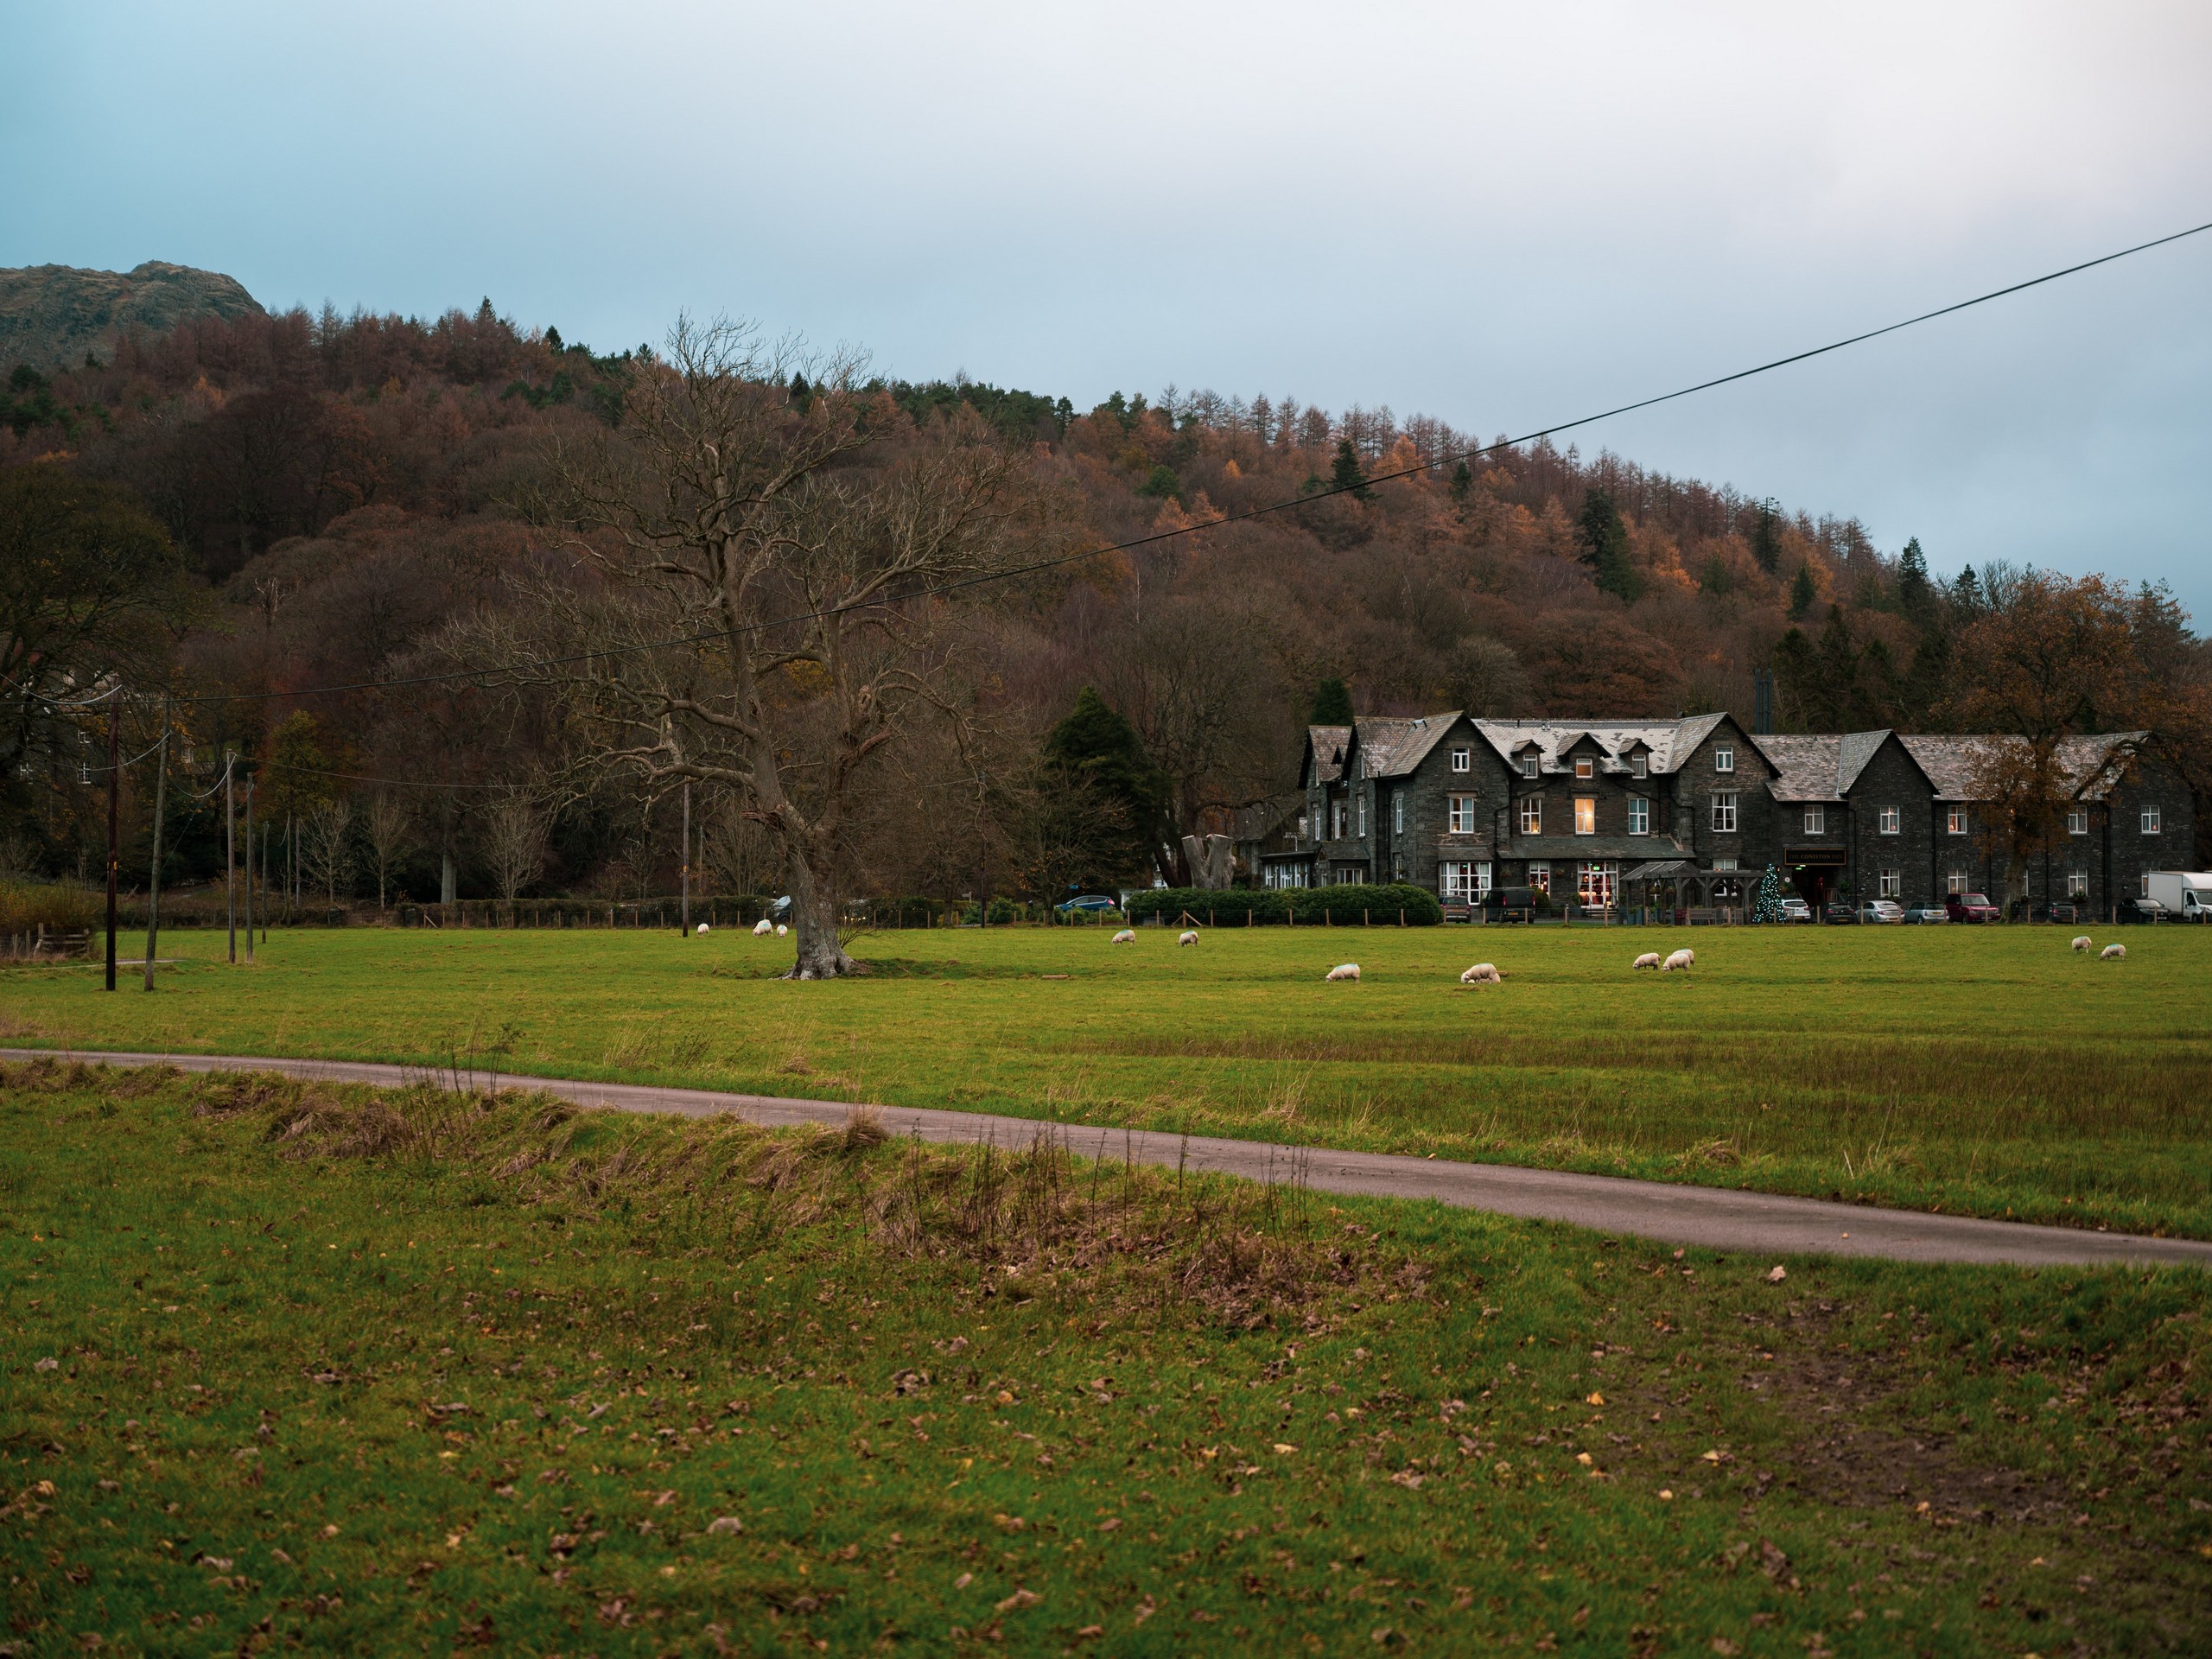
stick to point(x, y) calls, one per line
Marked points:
point(814, 926)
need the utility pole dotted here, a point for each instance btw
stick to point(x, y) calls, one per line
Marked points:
point(153, 880)
point(685, 927)
point(114, 818)
point(248, 865)
point(229, 855)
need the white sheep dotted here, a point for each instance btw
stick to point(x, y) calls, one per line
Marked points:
point(2081, 942)
point(762, 928)
point(702, 927)
point(1189, 936)
point(1649, 959)
point(781, 929)
point(1483, 973)
point(1343, 970)
point(1127, 935)
point(1678, 963)
point(2112, 953)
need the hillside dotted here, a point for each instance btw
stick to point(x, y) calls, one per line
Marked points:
point(52, 316)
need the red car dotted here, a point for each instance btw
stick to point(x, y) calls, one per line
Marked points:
point(1969, 907)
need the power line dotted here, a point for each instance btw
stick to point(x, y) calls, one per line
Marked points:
point(1249, 513)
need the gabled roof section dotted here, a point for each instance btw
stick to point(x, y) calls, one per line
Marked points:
point(1854, 750)
point(1805, 766)
point(1324, 752)
point(1394, 745)
point(2090, 764)
point(1667, 743)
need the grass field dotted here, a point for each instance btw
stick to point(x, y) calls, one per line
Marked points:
point(289, 1366)
point(1982, 1070)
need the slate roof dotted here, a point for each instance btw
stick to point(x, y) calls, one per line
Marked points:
point(1805, 766)
point(2086, 762)
point(1822, 767)
point(1393, 745)
point(1671, 741)
point(1329, 743)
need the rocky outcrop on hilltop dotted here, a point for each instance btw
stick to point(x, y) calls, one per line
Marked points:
point(52, 316)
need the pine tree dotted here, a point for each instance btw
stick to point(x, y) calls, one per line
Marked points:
point(1605, 546)
point(1332, 704)
point(1463, 480)
point(1768, 907)
point(1766, 537)
point(1096, 745)
point(1797, 681)
point(1346, 475)
point(1716, 580)
point(1915, 594)
point(1803, 592)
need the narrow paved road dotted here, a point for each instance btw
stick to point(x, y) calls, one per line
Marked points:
point(1756, 1224)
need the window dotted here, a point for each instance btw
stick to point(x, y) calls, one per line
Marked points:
point(1336, 821)
point(2077, 821)
point(1892, 883)
point(1532, 815)
point(1635, 765)
point(1955, 882)
point(1724, 813)
point(1724, 757)
point(2150, 821)
point(2143, 885)
point(1586, 815)
point(1363, 815)
point(2077, 884)
point(1528, 762)
point(1398, 813)
point(1639, 815)
point(1593, 883)
point(1889, 821)
point(1584, 767)
point(1954, 820)
point(1301, 826)
point(1540, 875)
point(1465, 880)
point(1816, 820)
point(1462, 761)
point(1460, 815)
point(1720, 864)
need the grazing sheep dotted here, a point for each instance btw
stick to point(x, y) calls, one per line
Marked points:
point(762, 928)
point(1127, 935)
point(702, 927)
point(1483, 973)
point(2112, 953)
point(1189, 936)
point(1678, 963)
point(1649, 959)
point(781, 929)
point(1343, 970)
point(2081, 942)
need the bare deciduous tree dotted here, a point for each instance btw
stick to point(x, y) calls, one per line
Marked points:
point(327, 844)
point(802, 556)
point(516, 827)
point(388, 826)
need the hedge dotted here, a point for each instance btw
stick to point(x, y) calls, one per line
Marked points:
point(1341, 906)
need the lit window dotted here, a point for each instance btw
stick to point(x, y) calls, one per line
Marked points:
point(2077, 884)
point(1593, 883)
point(1584, 767)
point(1890, 821)
point(1635, 765)
point(1586, 815)
point(1465, 880)
point(1461, 760)
point(2143, 885)
point(2077, 821)
point(1532, 815)
point(1955, 882)
point(1891, 882)
point(1528, 762)
point(1816, 820)
point(1724, 757)
point(2150, 821)
point(1540, 876)
point(1639, 815)
point(1724, 813)
point(1460, 814)
point(1954, 820)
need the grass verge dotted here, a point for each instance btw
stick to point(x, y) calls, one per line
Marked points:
point(290, 1365)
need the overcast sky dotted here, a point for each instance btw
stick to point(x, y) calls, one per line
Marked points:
point(1502, 216)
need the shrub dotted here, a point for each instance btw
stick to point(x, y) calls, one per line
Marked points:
point(25, 906)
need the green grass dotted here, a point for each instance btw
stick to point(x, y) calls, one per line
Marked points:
point(287, 1366)
point(1983, 1070)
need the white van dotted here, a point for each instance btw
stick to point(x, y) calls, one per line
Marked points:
point(2183, 895)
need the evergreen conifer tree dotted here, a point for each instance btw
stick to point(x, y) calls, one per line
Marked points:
point(1463, 480)
point(1766, 537)
point(1768, 907)
point(1332, 703)
point(1803, 592)
point(1096, 745)
point(1605, 546)
point(1916, 595)
point(1345, 474)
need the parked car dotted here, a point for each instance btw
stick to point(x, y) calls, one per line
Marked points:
point(1510, 905)
point(1836, 912)
point(1926, 913)
point(1969, 907)
point(1086, 904)
point(1881, 910)
point(2061, 911)
point(1796, 909)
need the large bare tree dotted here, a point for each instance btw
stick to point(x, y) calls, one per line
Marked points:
point(811, 548)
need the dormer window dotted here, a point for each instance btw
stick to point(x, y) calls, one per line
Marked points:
point(1528, 761)
point(1724, 757)
point(1462, 761)
point(1635, 765)
point(1584, 767)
